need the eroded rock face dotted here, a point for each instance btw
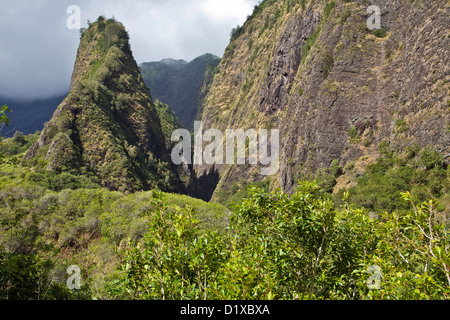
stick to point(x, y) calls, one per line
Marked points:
point(286, 61)
point(338, 98)
point(374, 85)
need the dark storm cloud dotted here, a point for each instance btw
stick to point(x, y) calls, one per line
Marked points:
point(37, 50)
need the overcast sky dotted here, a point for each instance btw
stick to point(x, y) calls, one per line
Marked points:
point(38, 50)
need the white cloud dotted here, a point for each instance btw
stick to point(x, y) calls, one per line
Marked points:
point(229, 10)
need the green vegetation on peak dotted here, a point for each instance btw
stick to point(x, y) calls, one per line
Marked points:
point(108, 125)
point(110, 33)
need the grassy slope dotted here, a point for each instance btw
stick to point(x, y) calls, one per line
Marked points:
point(71, 220)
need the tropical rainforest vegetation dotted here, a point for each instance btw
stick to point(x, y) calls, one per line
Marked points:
point(371, 224)
point(311, 244)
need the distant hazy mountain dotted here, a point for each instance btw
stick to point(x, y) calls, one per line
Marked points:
point(29, 116)
point(179, 83)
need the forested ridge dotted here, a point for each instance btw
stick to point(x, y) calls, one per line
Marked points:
point(268, 245)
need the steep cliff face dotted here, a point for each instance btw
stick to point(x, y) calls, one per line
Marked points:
point(334, 88)
point(108, 124)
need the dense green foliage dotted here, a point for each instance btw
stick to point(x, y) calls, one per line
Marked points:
point(152, 245)
point(23, 273)
point(289, 247)
point(16, 171)
point(50, 220)
point(42, 232)
point(422, 172)
point(173, 261)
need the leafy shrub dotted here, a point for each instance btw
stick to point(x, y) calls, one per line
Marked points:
point(353, 134)
point(173, 262)
point(430, 158)
point(114, 34)
point(288, 247)
point(27, 277)
point(423, 173)
point(236, 32)
point(380, 33)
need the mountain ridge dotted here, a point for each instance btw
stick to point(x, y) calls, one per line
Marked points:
point(179, 83)
point(108, 124)
point(335, 89)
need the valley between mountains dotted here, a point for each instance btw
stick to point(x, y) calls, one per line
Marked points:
point(363, 175)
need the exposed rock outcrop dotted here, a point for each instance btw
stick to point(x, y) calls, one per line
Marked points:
point(333, 87)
